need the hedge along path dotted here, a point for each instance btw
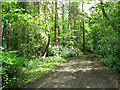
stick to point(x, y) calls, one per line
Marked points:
point(78, 72)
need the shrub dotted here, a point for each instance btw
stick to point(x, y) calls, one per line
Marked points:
point(111, 62)
point(12, 69)
point(17, 71)
point(63, 51)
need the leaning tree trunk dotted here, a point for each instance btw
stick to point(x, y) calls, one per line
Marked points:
point(34, 26)
point(103, 11)
point(45, 52)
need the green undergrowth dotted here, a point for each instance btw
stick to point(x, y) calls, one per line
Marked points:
point(64, 51)
point(18, 71)
point(39, 67)
point(111, 62)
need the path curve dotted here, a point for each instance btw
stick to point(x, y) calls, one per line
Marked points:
point(78, 72)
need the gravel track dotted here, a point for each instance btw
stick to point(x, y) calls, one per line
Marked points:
point(78, 72)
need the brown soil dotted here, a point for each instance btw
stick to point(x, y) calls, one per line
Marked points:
point(77, 74)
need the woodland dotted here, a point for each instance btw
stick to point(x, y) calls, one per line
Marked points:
point(39, 36)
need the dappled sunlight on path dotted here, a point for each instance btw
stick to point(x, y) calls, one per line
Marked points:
point(77, 74)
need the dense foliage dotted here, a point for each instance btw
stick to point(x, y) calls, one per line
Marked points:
point(12, 69)
point(106, 40)
point(37, 36)
point(17, 71)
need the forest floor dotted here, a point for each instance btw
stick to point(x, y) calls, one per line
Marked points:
point(78, 72)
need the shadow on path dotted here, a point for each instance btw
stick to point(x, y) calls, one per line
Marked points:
point(77, 74)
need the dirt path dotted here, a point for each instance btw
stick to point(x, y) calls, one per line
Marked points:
point(78, 72)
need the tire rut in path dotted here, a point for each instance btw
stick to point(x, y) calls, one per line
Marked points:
point(78, 73)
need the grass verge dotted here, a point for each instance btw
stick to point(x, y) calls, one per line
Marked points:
point(38, 67)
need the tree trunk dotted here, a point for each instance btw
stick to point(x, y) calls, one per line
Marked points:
point(4, 34)
point(45, 52)
point(69, 22)
point(52, 10)
point(75, 29)
point(83, 31)
point(1, 27)
point(63, 18)
point(39, 8)
point(39, 11)
point(31, 47)
point(69, 17)
point(55, 41)
point(103, 11)
point(34, 23)
point(15, 45)
point(35, 27)
point(4, 39)
point(23, 41)
point(71, 26)
point(8, 38)
point(63, 21)
point(58, 29)
point(34, 9)
point(27, 43)
point(46, 11)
